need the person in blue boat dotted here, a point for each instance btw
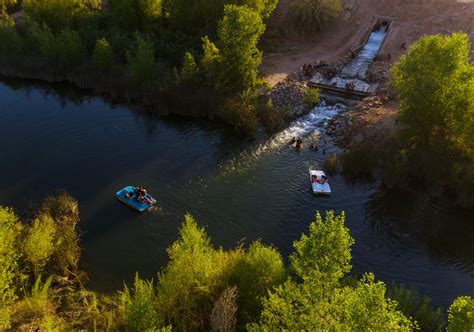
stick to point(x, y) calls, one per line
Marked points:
point(141, 194)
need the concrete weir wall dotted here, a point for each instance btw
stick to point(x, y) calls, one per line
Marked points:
point(351, 80)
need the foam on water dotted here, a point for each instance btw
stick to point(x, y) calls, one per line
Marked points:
point(310, 125)
point(314, 122)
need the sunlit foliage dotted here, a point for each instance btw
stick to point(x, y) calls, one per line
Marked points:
point(434, 82)
point(461, 314)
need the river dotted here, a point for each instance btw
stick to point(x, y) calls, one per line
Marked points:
point(55, 137)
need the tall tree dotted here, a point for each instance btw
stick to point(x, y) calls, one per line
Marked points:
point(434, 82)
point(239, 32)
point(316, 300)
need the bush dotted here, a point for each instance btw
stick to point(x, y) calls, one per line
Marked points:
point(70, 48)
point(65, 212)
point(271, 117)
point(261, 269)
point(331, 164)
point(360, 160)
point(103, 54)
point(314, 15)
point(461, 314)
point(11, 43)
point(39, 243)
point(434, 82)
point(223, 315)
point(38, 305)
point(59, 14)
point(10, 230)
point(311, 97)
point(419, 307)
point(141, 61)
point(135, 15)
point(241, 113)
point(239, 32)
point(141, 312)
point(189, 70)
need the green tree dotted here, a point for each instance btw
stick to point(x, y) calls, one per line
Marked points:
point(324, 254)
point(261, 269)
point(193, 279)
point(59, 14)
point(316, 300)
point(64, 210)
point(461, 314)
point(210, 62)
point(263, 7)
point(103, 54)
point(419, 307)
point(39, 243)
point(434, 82)
point(141, 312)
point(5, 19)
point(11, 43)
point(239, 32)
point(10, 230)
point(136, 14)
point(141, 60)
point(314, 15)
point(70, 48)
point(189, 70)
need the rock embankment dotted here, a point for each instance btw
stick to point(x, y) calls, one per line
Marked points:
point(372, 120)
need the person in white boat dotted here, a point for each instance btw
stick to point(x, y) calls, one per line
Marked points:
point(324, 179)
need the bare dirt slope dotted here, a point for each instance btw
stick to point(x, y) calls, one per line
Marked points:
point(285, 50)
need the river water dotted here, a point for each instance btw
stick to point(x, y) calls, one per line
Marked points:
point(54, 137)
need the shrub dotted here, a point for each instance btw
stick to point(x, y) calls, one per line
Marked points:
point(360, 160)
point(141, 60)
point(39, 242)
point(315, 299)
point(136, 14)
point(331, 164)
point(45, 40)
point(241, 113)
point(103, 54)
point(10, 230)
point(70, 48)
point(311, 97)
point(271, 117)
point(419, 307)
point(141, 313)
point(189, 70)
point(11, 43)
point(37, 305)
point(239, 32)
point(223, 315)
point(461, 314)
point(434, 82)
point(59, 14)
point(314, 15)
point(261, 269)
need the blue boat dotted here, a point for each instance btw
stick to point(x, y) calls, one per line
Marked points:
point(128, 196)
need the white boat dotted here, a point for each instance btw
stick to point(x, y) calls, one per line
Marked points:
point(319, 182)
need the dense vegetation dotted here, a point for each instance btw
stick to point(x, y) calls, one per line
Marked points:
point(199, 58)
point(314, 15)
point(434, 82)
point(202, 287)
